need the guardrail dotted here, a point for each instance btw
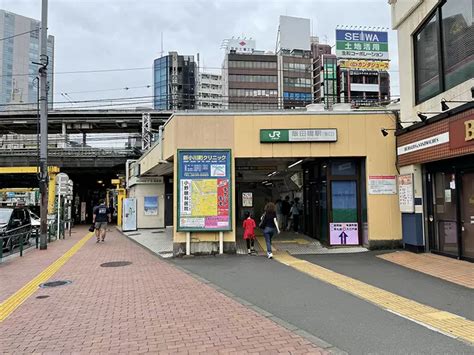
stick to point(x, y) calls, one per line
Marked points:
point(17, 243)
point(71, 152)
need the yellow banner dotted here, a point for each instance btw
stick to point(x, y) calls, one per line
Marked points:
point(364, 64)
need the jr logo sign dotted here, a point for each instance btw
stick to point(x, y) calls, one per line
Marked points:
point(275, 135)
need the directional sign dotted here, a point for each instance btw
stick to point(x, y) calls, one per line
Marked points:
point(344, 233)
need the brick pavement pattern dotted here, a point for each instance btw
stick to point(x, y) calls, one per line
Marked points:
point(149, 306)
point(456, 271)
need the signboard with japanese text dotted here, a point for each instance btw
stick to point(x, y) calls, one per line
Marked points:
point(405, 193)
point(383, 185)
point(344, 233)
point(204, 190)
point(369, 65)
point(298, 135)
point(362, 44)
point(247, 199)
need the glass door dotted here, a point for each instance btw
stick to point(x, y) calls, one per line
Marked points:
point(445, 213)
point(467, 216)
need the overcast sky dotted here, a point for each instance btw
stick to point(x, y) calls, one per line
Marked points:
point(111, 34)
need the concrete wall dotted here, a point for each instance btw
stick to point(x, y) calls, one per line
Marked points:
point(358, 136)
point(139, 192)
point(407, 15)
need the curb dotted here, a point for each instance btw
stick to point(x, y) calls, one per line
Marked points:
point(291, 327)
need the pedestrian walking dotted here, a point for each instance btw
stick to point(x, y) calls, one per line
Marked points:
point(269, 224)
point(100, 216)
point(295, 213)
point(285, 210)
point(249, 232)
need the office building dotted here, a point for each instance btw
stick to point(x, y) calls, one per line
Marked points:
point(209, 91)
point(250, 81)
point(19, 48)
point(435, 147)
point(174, 82)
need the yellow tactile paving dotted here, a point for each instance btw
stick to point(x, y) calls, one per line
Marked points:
point(442, 321)
point(14, 301)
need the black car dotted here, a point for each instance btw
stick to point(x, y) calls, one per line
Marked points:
point(15, 226)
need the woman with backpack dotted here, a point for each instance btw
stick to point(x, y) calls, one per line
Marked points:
point(269, 224)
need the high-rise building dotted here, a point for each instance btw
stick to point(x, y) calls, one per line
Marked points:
point(19, 49)
point(174, 82)
point(209, 91)
point(318, 50)
point(250, 81)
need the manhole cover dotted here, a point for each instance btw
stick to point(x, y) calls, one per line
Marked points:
point(116, 264)
point(42, 297)
point(55, 283)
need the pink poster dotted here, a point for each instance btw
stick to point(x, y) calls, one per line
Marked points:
point(344, 233)
point(216, 222)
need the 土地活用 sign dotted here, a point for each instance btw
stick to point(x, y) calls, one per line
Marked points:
point(361, 44)
point(204, 190)
point(298, 135)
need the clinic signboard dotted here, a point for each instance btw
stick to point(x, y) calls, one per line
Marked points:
point(204, 190)
point(362, 44)
point(298, 135)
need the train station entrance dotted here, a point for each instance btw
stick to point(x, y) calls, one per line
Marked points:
point(321, 198)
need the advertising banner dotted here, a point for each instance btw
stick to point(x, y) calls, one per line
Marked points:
point(368, 65)
point(150, 205)
point(129, 220)
point(204, 190)
point(344, 233)
point(362, 44)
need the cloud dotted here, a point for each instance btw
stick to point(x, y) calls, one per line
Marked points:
point(100, 34)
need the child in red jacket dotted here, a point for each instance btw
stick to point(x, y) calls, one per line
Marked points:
point(249, 232)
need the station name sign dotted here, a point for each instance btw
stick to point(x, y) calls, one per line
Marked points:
point(298, 135)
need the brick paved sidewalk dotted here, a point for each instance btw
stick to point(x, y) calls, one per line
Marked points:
point(16, 272)
point(146, 307)
point(457, 271)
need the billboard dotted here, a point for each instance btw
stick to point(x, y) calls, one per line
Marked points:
point(204, 190)
point(295, 33)
point(368, 65)
point(361, 44)
point(240, 45)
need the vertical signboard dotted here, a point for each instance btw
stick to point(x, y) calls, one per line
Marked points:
point(150, 205)
point(344, 233)
point(204, 190)
point(405, 193)
point(129, 218)
point(361, 44)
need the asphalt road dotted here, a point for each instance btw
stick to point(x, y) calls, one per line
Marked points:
point(343, 320)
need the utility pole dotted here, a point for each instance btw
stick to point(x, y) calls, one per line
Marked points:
point(43, 158)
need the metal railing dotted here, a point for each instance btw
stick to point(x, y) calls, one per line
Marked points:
point(13, 243)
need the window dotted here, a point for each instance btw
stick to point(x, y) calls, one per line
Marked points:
point(458, 41)
point(444, 49)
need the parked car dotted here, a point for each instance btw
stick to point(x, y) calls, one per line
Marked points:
point(35, 223)
point(15, 226)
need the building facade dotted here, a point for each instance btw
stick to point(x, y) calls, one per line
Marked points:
point(436, 153)
point(174, 82)
point(346, 185)
point(250, 81)
point(209, 91)
point(19, 48)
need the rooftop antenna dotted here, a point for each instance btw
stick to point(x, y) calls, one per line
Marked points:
point(161, 53)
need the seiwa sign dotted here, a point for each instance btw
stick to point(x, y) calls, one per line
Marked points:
point(359, 44)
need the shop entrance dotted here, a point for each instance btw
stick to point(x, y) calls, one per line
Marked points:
point(451, 209)
point(329, 194)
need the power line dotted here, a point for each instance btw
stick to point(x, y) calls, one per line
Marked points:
point(104, 90)
point(20, 34)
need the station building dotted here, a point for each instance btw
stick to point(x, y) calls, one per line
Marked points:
point(339, 165)
point(436, 145)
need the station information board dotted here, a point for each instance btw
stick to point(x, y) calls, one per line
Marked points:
point(204, 190)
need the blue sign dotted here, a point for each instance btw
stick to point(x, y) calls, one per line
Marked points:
point(361, 36)
point(204, 190)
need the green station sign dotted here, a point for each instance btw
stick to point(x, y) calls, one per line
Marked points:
point(298, 135)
